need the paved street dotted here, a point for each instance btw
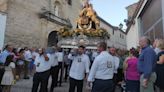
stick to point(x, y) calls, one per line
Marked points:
point(26, 85)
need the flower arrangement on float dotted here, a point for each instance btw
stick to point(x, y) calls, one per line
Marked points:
point(66, 32)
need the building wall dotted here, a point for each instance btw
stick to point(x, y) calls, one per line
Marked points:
point(131, 9)
point(3, 5)
point(133, 33)
point(133, 36)
point(72, 12)
point(25, 28)
point(151, 21)
point(155, 30)
point(148, 22)
point(110, 42)
point(162, 3)
point(2, 28)
point(119, 39)
point(115, 39)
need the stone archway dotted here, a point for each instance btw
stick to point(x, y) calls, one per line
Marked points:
point(52, 39)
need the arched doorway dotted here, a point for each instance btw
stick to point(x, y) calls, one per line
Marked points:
point(52, 39)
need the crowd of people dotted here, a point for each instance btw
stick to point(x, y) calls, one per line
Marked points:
point(103, 70)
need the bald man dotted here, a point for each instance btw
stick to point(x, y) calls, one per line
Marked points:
point(146, 65)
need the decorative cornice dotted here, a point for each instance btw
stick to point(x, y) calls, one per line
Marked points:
point(53, 18)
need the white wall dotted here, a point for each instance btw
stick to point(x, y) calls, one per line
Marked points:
point(119, 41)
point(134, 31)
point(132, 37)
point(110, 42)
point(2, 29)
point(115, 39)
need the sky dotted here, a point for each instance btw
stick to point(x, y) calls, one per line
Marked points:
point(112, 11)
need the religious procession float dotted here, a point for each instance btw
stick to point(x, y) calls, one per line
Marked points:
point(88, 31)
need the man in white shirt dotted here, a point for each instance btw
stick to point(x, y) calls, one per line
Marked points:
point(28, 59)
point(72, 53)
point(27, 54)
point(42, 65)
point(34, 54)
point(54, 69)
point(94, 54)
point(102, 71)
point(60, 57)
point(112, 51)
point(80, 67)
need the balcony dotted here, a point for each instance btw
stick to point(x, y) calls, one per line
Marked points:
point(55, 19)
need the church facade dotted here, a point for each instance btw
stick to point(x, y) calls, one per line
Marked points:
point(35, 23)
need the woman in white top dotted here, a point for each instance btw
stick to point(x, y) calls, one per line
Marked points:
point(9, 75)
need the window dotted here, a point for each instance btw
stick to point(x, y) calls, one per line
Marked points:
point(122, 36)
point(113, 31)
point(159, 30)
point(151, 20)
point(70, 2)
point(151, 14)
point(56, 10)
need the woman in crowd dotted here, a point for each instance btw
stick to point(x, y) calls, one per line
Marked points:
point(9, 75)
point(20, 63)
point(160, 66)
point(132, 75)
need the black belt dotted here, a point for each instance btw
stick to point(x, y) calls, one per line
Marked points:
point(43, 71)
point(103, 79)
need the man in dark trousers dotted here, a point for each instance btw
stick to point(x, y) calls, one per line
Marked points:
point(146, 65)
point(102, 71)
point(43, 65)
point(80, 67)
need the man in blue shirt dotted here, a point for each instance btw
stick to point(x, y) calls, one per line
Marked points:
point(5, 53)
point(146, 65)
point(3, 56)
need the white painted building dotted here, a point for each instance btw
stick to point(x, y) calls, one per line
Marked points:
point(132, 37)
point(132, 27)
point(147, 20)
point(117, 36)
